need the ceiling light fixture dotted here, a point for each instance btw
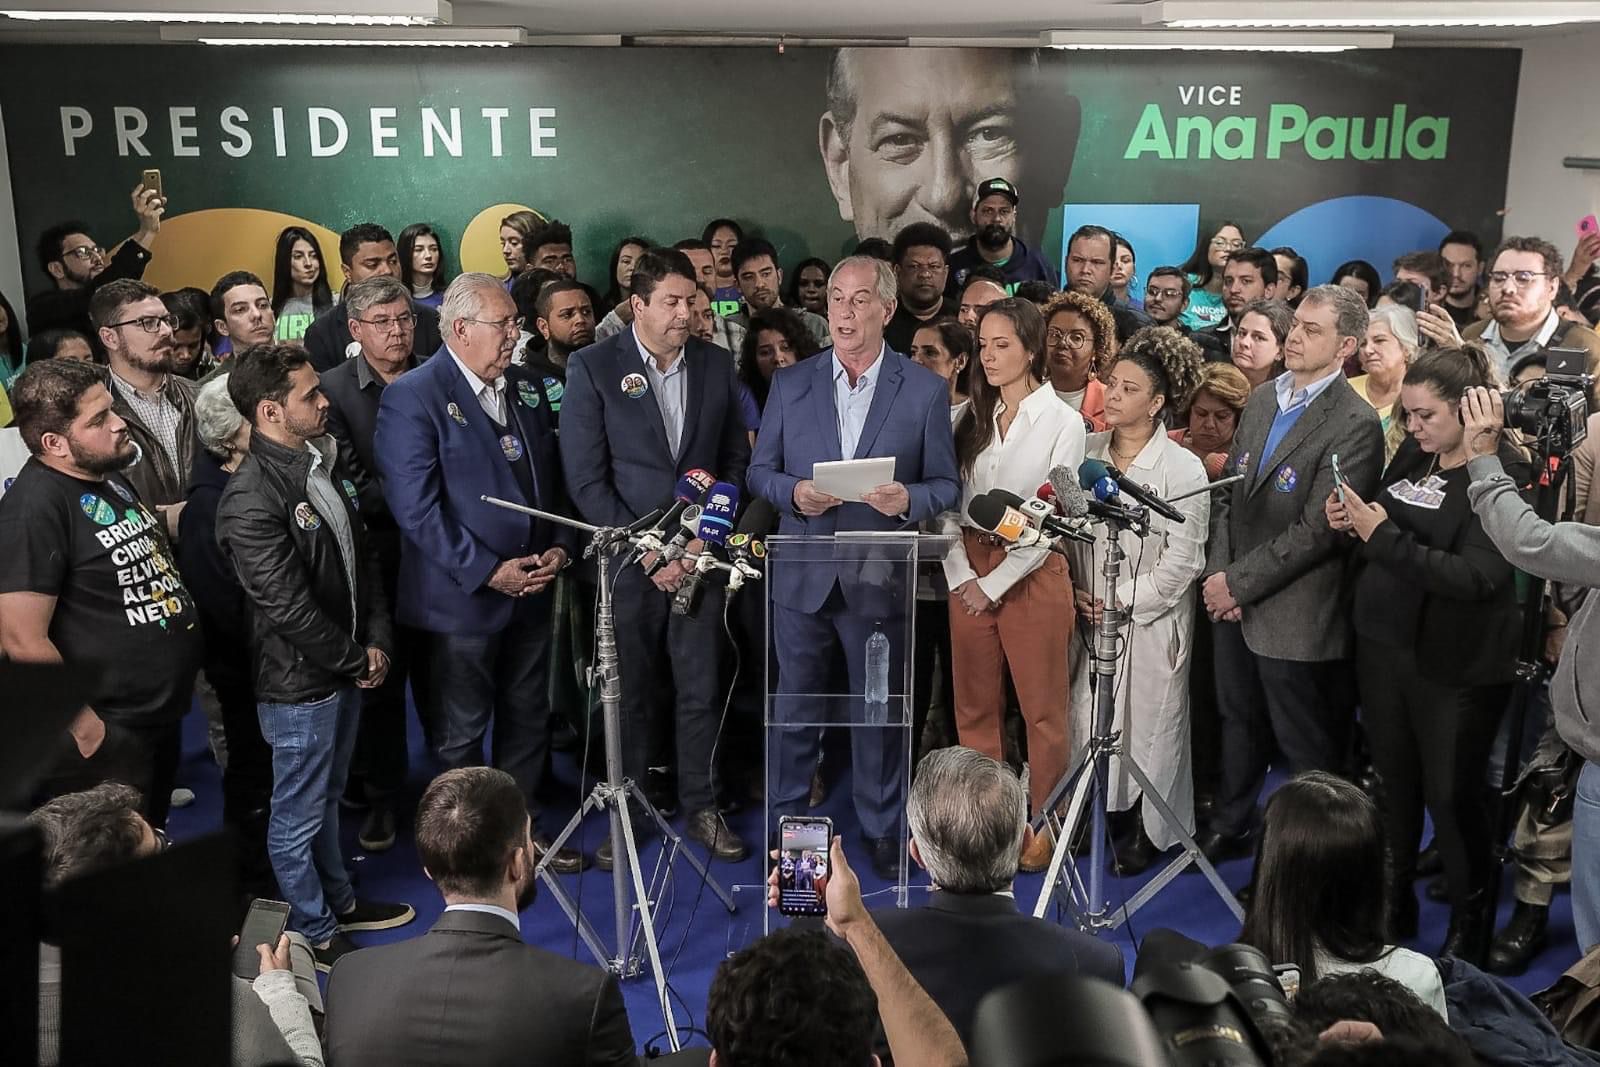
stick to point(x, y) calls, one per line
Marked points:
point(353, 36)
point(246, 12)
point(1210, 41)
point(1366, 14)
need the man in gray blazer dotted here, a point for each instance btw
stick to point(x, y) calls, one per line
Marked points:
point(1275, 570)
point(471, 990)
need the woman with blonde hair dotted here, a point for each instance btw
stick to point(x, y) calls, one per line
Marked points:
point(1157, 368)
point(1080, 338)
point(1391, 345)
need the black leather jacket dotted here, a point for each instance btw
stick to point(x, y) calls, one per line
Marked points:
point(304, 641)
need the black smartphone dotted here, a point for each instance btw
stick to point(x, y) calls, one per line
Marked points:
point(804, 842)
point(263, 925)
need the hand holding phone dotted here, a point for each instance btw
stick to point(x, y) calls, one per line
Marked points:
point(1338, 480)
point(804, 864)
point(263, 925)
point(1588, 226)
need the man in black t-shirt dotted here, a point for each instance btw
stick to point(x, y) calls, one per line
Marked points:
point(88, 578)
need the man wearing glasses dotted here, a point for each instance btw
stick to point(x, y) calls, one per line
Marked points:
point(383, 322)
point(77, 265)
point(1523, 278)
point(136, 332)
point(467, 424)
point(922, 269)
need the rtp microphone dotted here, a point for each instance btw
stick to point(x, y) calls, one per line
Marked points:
point(715, 522)
point(1093, 474)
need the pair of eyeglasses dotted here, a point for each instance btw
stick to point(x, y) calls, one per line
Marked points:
point(148, 323)
point(1523, 278)
point(1163, 294)
point(1231, 244)
point(386, 323)
point(84, 252)
point(1074, 339)
point(503, 325)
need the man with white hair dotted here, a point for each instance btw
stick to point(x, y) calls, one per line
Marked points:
point(465, 425)
point(969, 827)
point(857, 400)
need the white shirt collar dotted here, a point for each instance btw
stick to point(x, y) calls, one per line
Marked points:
point(477, 384)
point(644, 354)
point(1552, 323)
point(869, 375)
point(490, 909)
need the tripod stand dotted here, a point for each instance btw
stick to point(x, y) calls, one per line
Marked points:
point(615, 795)
point(1090, 776)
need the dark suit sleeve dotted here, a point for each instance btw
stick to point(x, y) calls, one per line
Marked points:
point(733, 453)
point(1273, 564)
point(767, 476)
point(322, 340)
point(368, 492)
point(585, 452)
point(610, 1036)
point(940, 488)
point(407, 446)
point(273, 576)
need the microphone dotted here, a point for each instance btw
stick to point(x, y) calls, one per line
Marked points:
point(747, 550)
point(1093, 475)
point(690, 491)
point(715, 522)
point(1076, 504)
point(992, 513)
point(1042, 514)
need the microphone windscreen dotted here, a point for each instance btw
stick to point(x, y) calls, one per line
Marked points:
point(1091, 471)
point(759, 517)
point(1063, 479)
point(693, 485)
point(721, 503)
point(1006, 497)
point(986, 511)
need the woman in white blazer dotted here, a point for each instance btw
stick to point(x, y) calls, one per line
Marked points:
point(1156, 371)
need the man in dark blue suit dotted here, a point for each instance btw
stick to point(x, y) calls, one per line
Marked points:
point(857, 400)
point(642, 408)
point(463, 425)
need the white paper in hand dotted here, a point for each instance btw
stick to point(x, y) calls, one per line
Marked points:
point(852, 479)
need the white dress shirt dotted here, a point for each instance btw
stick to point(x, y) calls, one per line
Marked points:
point(491, 395)
point(1045, 433)
point(490, 909)
point(1290, 398)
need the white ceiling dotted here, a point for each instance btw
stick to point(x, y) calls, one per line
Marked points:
point(969, 21)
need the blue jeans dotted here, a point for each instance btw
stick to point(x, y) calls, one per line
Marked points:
point(1586, 858)
point(311, 747)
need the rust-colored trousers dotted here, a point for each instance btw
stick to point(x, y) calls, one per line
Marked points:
point(1030, 632)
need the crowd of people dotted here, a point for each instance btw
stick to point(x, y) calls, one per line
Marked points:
point(270, 501)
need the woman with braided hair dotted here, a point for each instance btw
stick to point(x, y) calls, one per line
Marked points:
point(1157, 370)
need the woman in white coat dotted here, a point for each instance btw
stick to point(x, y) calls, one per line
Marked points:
point(1156, 371)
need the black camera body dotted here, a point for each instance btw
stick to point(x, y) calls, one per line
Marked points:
point(1554, 410)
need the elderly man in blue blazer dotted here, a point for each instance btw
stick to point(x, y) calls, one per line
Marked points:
point(468, 424)
point(643, 408)
point(857, 400)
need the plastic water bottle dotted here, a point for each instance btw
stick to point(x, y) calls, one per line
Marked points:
point(877, 678)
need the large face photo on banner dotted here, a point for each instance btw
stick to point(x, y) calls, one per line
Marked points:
point(1343, 156)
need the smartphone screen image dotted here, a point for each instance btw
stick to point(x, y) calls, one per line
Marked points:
point(1588, 226)
point(803, 865)
point(1338, 478)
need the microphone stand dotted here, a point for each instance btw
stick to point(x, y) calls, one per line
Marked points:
point(1090, 777)
point(616, 793)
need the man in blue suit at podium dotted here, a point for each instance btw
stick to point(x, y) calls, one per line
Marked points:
point(468, 424)
point(857, 400)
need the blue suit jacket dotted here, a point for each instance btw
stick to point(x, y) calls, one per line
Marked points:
point(434, 467)
point(909, 419)
point(614, 446)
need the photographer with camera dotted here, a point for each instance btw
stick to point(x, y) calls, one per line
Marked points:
point(1566, 552)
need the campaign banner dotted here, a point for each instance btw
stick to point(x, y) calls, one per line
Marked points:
point(1353, 155)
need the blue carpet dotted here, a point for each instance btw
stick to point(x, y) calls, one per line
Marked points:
point(696, 932)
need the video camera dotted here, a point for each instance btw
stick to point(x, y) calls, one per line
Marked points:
point(1225, 1007)
point(1554, 410)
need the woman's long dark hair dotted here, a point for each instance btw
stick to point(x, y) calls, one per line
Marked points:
point(613, 295)
point(13, 333)
point(1199, 265)
point(283, 283)
point(785, 322)
point(1322, 876)
point(408, 243)
point(958, 341)
point(976, 428)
